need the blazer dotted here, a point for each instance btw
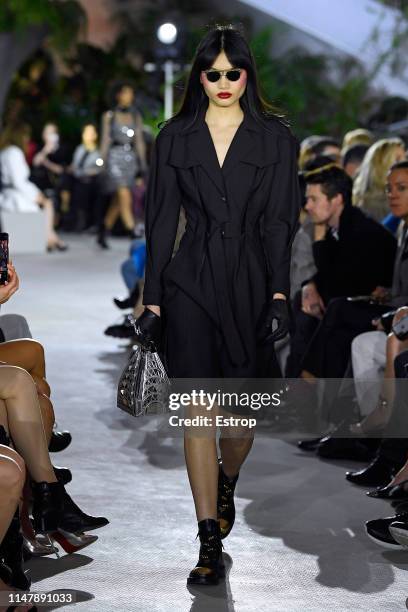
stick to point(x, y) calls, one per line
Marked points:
point(399, 290)
point(241, 219)
point(359, 260)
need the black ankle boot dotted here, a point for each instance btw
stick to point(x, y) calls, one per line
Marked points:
point(74, 520)
point(225, 501)
point(210, 566)
point(11, 551)
point(47, 506)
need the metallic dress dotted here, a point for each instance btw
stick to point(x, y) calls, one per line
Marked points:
point(122, 160)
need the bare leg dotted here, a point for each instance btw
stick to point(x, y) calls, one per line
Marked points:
point(394, 348)
point(52, 237)
point(29, 355)
point(125, 205)
point(112, 213)
point(200, 451)
point(235, 447)
point(12, 477)
point(380, 416)
point(19, 395)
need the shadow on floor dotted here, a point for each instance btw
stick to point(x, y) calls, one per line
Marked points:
point(46, 567)
point(215, 598)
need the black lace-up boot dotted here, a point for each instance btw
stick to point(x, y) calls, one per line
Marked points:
point(210, 566)
point(225, 501)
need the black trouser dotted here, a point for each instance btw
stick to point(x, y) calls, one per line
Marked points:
point(84, 205)
point(304, 327)
point(395, 449)
point(329, 349)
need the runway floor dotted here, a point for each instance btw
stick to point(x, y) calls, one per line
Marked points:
point(299, 542)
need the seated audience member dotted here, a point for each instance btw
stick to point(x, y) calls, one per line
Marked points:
point(302, 264)
point(352, 158)
point(306, 152)
point(49, 167)
point(354, 256)
point(21, 425)
point(369, 185)
point(374, 350)
point(85, 169)
point(18, 193)
point(391, 464)
point(327, 147)
point(359, 136)
point(12, 479)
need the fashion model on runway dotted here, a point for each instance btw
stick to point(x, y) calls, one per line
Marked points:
point(219, 304)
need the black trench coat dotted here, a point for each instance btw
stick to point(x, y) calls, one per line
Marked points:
point(240, 223)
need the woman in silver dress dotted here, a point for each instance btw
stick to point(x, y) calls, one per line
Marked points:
point(124, 153)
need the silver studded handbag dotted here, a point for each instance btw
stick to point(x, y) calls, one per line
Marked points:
point(144, 386)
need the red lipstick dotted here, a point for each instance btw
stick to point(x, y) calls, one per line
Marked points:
point(224, 95)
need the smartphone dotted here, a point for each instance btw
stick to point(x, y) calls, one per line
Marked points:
point(4, 257)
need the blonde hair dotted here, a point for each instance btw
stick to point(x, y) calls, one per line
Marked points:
point(356, 137)
point(377, 161)
point(306, 149)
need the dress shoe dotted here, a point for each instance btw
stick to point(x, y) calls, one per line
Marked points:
point(74, 520)
point(72, 542)
point(63, 474)
point(377, 474)
point(398, 492)
point(353, 449)
point(399, 531)
point(378, 530)
point(37, 547)
point(60, 440)
point(210, 566)
point(225, 501)
point(309, 445)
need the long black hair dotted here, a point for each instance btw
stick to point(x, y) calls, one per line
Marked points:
point(230, 40)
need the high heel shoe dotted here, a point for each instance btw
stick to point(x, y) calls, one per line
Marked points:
point(225, 501)
point(72, 542)
point(210, 566)
point(397, 492)
point(35, 547)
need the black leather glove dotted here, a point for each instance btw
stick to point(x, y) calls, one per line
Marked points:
point(274, 322)
point(149, 330)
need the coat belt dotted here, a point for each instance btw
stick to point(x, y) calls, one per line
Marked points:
point(229, 327)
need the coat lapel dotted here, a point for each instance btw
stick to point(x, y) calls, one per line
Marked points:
point(195, 146)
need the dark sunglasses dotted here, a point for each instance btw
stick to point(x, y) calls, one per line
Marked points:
point(214, 75)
